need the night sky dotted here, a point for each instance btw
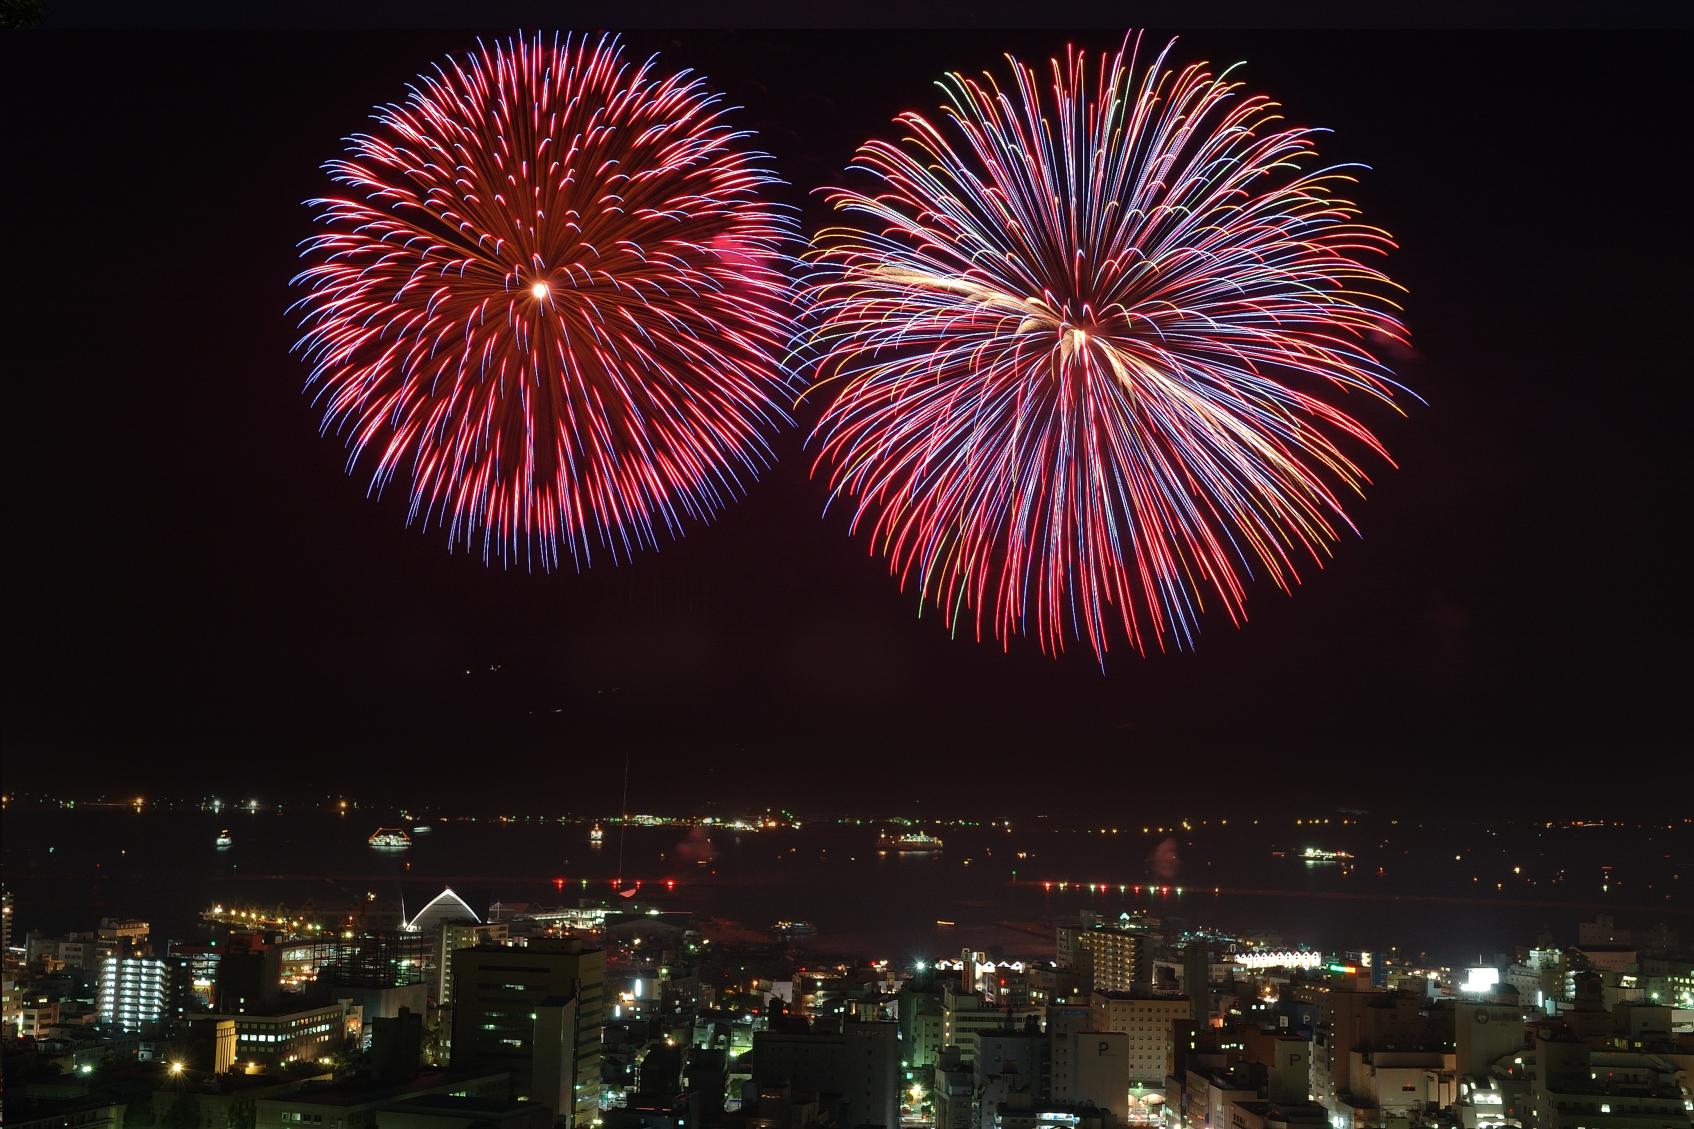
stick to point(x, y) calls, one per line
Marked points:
point(202, 599)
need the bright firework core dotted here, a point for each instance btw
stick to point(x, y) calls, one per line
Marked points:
point(539, 290)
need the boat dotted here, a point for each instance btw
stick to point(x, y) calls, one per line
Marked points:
point(224, 840)
point(390, 839)
point(794, 929)
point(421, 829)
point(1318, 854)
point(912, 843)
point(596, 834)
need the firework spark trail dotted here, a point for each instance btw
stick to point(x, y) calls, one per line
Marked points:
point(552, 294)
point(1079, 345)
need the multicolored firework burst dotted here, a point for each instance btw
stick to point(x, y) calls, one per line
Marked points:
point(1084, 348)
point(553, 295)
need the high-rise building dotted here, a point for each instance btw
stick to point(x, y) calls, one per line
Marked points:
point(450, 937)
point(858, 1061)
point(249, 979)
point(1008, 1061)
point(964, 1015)
point(450, 924)
point(134, 992)
point(953, 1091)
point(1110, 959)
point(1197, 981)
point(1064, 1024)
point(1483, 1033)
point(1352, 1020)
point(1146, 1017)
point(920, 1025)
point(519, 1009)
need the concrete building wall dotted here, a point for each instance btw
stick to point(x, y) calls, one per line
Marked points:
point(1147, 1020)
point(1103, 1071)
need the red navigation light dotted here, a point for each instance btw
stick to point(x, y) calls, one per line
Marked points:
point(558, 883)
point(670, 883)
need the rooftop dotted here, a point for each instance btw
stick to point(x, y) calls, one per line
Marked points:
point(358, 1092)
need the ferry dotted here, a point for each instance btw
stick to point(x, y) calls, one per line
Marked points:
point(390, 839)
point(912, 843)
point(596, 834)
point(224, 840)
point(1318, 854)
point(794, 929)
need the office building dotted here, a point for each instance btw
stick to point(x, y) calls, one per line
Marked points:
point(921, 1022)
point(1399, 1024)
point(1008, 1061)
point(953, 1090)
point(964, 1015)
point(1147, 1018)
point(1575, 1085)
point(284, 1036)
point(536, 1011)
point(858, 1064)
point(1197, 981)
point(1064, 1023)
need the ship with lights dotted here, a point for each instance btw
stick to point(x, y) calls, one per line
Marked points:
point(912, 843)
point(390, 839)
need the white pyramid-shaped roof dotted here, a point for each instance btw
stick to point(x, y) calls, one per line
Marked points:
point(445, 906)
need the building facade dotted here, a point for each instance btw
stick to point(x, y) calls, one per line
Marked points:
point(508, 1007)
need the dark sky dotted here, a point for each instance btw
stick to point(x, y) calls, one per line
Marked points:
point(201, 597)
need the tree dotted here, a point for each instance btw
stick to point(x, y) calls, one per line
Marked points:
point(183, 1112)
point(139, 1113)
point(243, 1113)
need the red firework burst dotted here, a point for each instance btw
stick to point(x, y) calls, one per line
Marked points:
point(552, 294)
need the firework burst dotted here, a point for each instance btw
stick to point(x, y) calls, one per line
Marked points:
point(1083, 345)
point(550, 294)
